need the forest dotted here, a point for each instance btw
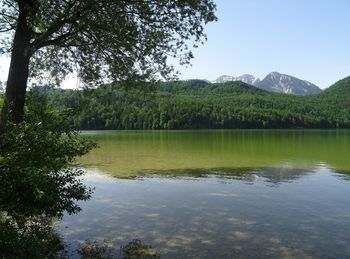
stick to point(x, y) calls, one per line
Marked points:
point(197, 104)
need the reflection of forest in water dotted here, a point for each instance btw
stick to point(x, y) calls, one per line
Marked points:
point(274, 175)
point(127, 154)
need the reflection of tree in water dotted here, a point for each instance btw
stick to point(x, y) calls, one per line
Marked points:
point(274, 175)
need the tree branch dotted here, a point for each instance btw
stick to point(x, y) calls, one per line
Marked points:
point(37, 44)
point(7, 29)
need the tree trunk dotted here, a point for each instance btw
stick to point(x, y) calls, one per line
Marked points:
point(13, 107)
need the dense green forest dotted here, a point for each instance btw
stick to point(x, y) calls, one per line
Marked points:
point(198, 104)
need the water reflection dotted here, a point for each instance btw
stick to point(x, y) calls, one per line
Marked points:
point(130, 153)
point(221, 213)
point(273, 175)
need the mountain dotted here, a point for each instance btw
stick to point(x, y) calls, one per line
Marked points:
point(246, 78)
point(340, 88)
point(176, 87)
point(276, 82)
point(201, 87)
point(232, 87)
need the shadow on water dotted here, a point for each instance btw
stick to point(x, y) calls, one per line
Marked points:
point(269, 212)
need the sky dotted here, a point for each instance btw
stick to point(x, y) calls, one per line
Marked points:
point(308, 39)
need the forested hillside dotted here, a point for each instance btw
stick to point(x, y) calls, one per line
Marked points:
point(199, 104)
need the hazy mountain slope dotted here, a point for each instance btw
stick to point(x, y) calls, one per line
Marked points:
point(276, 82)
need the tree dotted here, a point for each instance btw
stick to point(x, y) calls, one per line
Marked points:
point(101, 40)
point(39, 179)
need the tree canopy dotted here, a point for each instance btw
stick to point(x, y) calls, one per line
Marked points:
point(104, 40)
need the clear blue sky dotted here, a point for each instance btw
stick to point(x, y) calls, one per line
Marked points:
point(309, 39)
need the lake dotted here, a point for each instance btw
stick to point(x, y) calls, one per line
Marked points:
point(218, 193)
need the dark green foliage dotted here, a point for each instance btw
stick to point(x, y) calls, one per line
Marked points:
point(200, 87)
point(198, 104)
point(35, 166)
point(232, 88)
point(340, 88)
point(37, 179)
point(182, 87)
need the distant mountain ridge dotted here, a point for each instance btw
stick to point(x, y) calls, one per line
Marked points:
point(275, 82)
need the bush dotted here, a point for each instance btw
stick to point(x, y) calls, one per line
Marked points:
point(39, 180)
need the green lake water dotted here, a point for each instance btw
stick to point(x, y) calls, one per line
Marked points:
point(218, 193)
